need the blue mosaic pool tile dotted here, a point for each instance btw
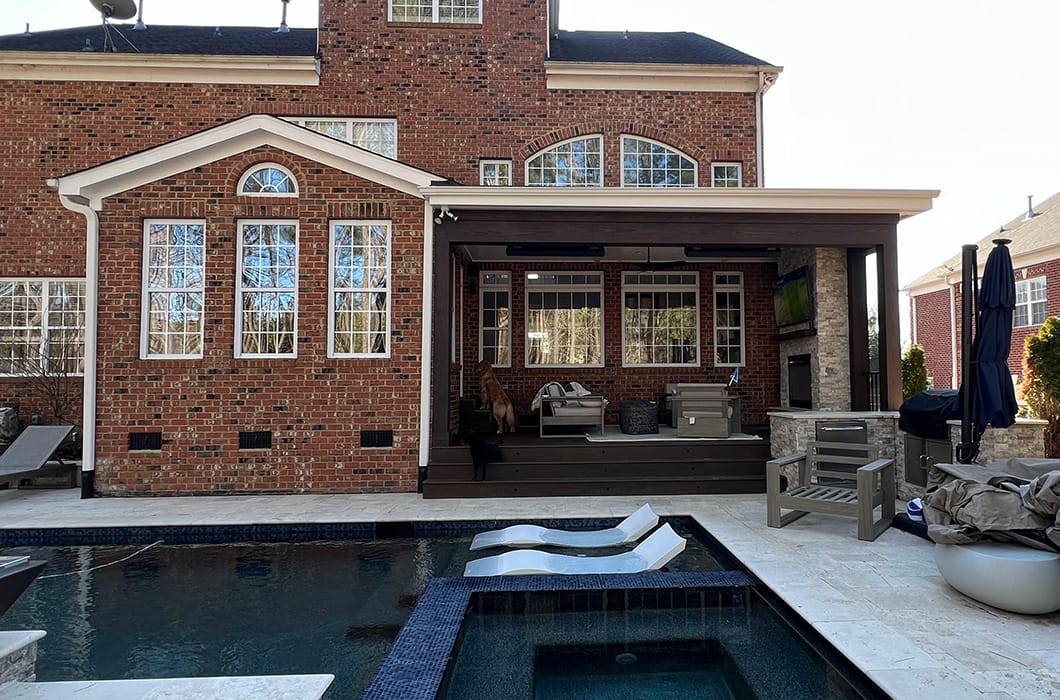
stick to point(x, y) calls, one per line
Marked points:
point(198, 534)
point(417, 662)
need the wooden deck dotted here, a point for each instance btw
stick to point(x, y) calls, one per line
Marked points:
point(574, 466)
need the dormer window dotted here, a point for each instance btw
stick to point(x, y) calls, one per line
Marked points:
point(269, 180)
point(436, 11)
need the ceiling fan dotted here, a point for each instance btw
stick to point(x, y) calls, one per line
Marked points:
point(649, 266)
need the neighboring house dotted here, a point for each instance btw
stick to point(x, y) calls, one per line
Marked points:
point(287, 251)
point(936, 295)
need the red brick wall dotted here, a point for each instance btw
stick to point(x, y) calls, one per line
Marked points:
point(1051, 271)
point(759, 385)
point(933, 333)
point(314, 406)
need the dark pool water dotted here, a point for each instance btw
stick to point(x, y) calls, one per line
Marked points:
point(237, 609)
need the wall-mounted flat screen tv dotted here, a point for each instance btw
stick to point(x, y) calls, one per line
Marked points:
point(793, 301)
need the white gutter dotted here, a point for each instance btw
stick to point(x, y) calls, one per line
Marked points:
point(88, 399)
point(428, 331)
point(760, 178)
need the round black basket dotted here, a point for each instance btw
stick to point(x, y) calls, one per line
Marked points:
point(638, 417)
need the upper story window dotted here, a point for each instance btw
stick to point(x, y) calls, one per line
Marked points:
point(573, 163)
point(564, 319)
point(648, 163)
point(359, 299)
point(495, 173)
point(660, 319)
point(42, 323)
point(375, 135)
point(267, 290)
point(438, 11)
point(1032, 306)
point(174, 289)
point(268, 180)
point(726, 175)
point(495, 318)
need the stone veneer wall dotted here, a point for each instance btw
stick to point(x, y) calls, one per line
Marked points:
point(829, 348)
point(1024, 439)
point(18, 656)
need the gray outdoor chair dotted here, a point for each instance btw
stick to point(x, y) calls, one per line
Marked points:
point(32, 453)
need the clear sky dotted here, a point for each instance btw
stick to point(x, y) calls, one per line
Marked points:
point(954, 95)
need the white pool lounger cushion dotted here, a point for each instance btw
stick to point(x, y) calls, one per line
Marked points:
point(629, 530)
point(653, 553)
point(1007, 576)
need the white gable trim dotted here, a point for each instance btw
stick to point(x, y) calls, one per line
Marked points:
point(239, 136)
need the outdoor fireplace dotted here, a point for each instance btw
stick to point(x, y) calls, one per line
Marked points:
point(800, 385)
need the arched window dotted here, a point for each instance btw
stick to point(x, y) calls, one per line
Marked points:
point(651, 164)
point(268, 180)
point(573, 163)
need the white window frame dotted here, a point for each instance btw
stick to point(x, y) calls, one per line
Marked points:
point(1030, 303)
point(652, 287)
point(714, 179)
point(146, 291)
point(555, 146)
point(729, 288)
point(333, 289)
point(45, 328)
point(257, 168)
point(350, 123)
point(483, 287)
point(435, 14)
point(238, 340)
point(495, 163)
point(653, 142)
point(528, 288)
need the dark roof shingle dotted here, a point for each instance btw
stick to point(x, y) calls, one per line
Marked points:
point(158, 39)
point(646, 47)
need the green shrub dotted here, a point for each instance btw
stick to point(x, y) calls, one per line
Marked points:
point(914, 371)
point(1041, 380)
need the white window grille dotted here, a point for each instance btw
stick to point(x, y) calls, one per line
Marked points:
point(564, 319)
point(660, 319)
point(576, 162)
point(359, 293)
point(726, 175)
point(267, 290)
point(174, 289)
point(728, 319)
point(647, 163)
point(375, 135)
point(495, 318)
point(268, 180)
point(42, 327)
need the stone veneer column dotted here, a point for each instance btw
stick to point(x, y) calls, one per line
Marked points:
point(829, 349)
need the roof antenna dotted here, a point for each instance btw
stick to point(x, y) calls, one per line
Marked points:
point(28, 33)
point(1030, 208)
point(114, 9)
point(283, 20)
point(140, 26)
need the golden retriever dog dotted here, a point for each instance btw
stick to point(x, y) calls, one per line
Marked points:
point(494, 398)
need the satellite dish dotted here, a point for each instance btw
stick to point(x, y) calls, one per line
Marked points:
point(115, 9)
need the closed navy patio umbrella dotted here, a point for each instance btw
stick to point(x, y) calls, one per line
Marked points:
point(993, 397)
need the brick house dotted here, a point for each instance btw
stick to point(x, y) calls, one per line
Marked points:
point(936, 295)
point(287, 251)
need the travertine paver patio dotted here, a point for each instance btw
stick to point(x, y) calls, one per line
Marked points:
point(882, 603)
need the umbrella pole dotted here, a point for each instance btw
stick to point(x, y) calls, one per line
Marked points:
point(969, 272)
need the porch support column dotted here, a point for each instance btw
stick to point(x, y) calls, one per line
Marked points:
point(890, 342)
point(442, 339)
point(858, 316)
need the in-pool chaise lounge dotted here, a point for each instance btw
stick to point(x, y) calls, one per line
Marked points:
point(653, 553)
point(631, 529)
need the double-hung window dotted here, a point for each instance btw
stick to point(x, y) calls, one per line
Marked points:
point(576, 162)
point(660, 319)
point(42, 326)
point(648, 163)
point(451, 11)
point(359, 294)
point(174, 289)
point(495, 318)
point(1032, 306)
point(376, 135)
point(728, 319)
point(564, 319)
point(267, 291)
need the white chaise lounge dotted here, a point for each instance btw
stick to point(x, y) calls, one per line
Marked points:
point(631, 529)
point(653, 553)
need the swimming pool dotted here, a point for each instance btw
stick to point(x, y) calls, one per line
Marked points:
point(250, 608)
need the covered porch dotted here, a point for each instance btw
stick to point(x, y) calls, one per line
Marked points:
point(504, 258)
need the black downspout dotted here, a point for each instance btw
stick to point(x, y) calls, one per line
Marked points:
point(969, 272)
point(88, 484)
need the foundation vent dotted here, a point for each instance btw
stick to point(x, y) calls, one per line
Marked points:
point(255, 439)
point(377, 438)
point(145, 441)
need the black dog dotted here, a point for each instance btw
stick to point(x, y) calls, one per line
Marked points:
point(483, 452)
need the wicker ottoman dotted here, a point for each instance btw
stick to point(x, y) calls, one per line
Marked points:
point(638, 417)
